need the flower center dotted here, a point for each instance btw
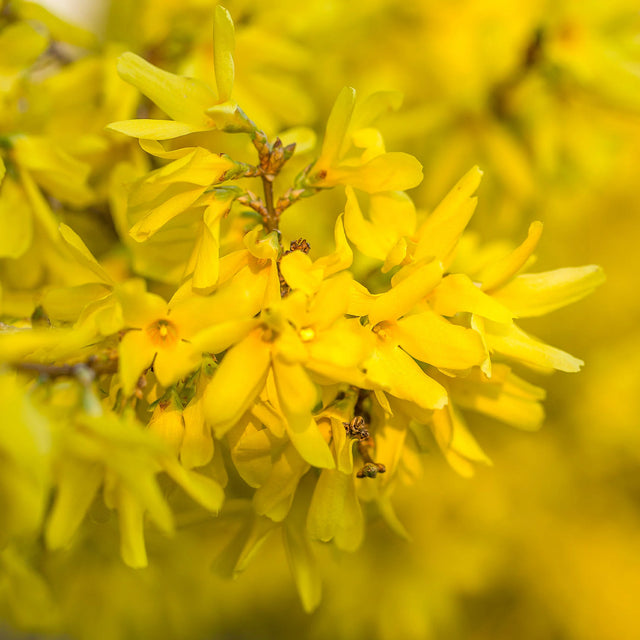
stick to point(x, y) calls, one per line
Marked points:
point(163, 333)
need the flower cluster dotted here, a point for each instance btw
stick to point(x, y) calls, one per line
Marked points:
point(229, 358)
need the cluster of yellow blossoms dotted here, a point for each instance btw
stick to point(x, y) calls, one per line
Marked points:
point(218, 363)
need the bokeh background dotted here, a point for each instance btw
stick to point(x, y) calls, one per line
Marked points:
point(545, 97)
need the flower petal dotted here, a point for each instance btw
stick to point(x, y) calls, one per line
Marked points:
point(404, 296)
point(223, 46)
point(440, 232)
point(182, 99)
point(296, 393)
point(498, 273)
point(154, 129)
point(430, 338)
point(135, 354)
point(394, 371)
point(311, 445)
point(512, 342)
point(237, 381)
point(457, 293)
point(537, 294)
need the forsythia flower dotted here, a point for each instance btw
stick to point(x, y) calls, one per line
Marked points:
point(198, 367)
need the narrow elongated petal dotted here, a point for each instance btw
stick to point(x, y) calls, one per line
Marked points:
point(80, 251)
point(160, 215)
point(393, 171)
point(135, 354)
point(430, 338)
point(403, 297)
point(337, 126)
point(273, 499)
point(458, 445)
point(205, 491)
point(498, 273)
point(505, 397)
point(310, 444)
point(251, 452)
point(296, 393)
point(154, 129)
point(394, 371)
point(330, 302)
point(342, 257)
point(457, 293)
point(369, 239)
point(223, 46)
point(182, 99)
point(536, 294)
point(130, 519)
point(439, 234)
point(197, 447)
point(16, 221)
point(512, 342)
point(219, 337)
point(304, 567)
point(77, 484)
point(237, 381)
point(327, 505)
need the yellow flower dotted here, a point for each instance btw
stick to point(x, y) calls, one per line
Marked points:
point(192, 105)
point(173, 336)
point(353, 152)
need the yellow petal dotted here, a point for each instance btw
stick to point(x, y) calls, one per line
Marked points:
point(370, 240)
point(130, 519)
point(430, 338)
point(300, 273)
point(135, 354)
point(393, 171)
point(182, 99)
point(457, 293)
point(16, 221)
point(337, 126)
point(274, 497)
point(219, 337)
point(342, 257)
point(304, 568)
point(166, 422)
point(537, 294)
point(237, 381)
point(296, 393)
point(154, 129)
point(159, 216)
point(505, 397)
point(342, 445)
point(251, 452)
point(500, 272)
point(439, 234)
point(510, 341)
point(197, 444)
point(260, 245)
point(458, 445)
point(223, 46)
point(327, 504)
point(205, 491)
point(395, 372)
point(76, 487)
point(311, 445)
point(82, 254)
point(139, 307)
point(330, 302)
point(403, 297)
